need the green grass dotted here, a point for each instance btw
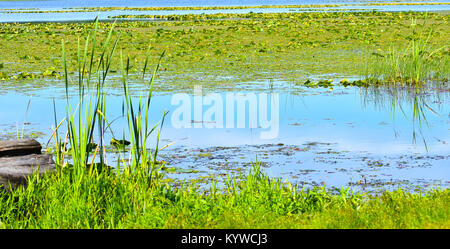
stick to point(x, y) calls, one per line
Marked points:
point(254, 200)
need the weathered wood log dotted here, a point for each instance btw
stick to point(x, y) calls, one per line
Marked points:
point(15, 170)
point(19, 147)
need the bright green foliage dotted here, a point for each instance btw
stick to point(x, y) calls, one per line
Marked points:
point(109, 200)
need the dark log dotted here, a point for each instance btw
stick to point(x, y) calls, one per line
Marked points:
point(15, 170)
point(19, 147)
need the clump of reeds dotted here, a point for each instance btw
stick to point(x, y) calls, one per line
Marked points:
point(416, 64)
point(87, 124)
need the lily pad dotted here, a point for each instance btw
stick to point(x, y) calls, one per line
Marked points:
point(175, 170)
point(119, 144)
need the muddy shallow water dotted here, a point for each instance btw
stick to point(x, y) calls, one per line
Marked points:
point(337, 137)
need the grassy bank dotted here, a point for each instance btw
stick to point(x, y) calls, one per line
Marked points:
point(251, 201)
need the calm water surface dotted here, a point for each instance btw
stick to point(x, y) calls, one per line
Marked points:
point(344, 137)
point(55, 5)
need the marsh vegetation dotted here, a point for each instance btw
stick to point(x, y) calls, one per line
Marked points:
point(109, 177)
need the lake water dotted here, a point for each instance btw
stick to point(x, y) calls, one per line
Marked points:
point(340, 137)
point(57, 5)
point(165, 3)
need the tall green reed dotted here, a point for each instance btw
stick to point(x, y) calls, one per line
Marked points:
point(416, 64)
point(88, 119)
